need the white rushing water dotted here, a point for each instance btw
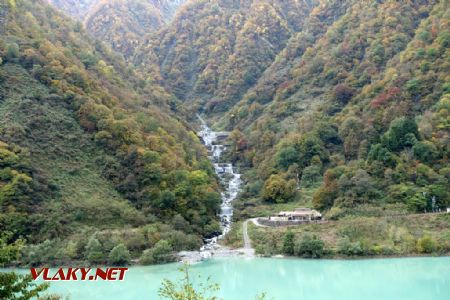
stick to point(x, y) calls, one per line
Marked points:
point(229, 178)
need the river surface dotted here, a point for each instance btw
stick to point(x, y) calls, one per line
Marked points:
point(284, 279)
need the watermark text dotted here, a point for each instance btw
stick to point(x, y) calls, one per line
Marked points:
point(81, 274)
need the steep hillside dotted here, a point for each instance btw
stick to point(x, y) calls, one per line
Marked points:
point(91, 152)
point(333, 100)
point(215, 50)
point(76, 8)
point(361, 108)
point(121, 23)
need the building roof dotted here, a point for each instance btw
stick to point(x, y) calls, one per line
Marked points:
point(300, 212)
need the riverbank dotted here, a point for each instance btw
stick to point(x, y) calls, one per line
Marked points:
point(347, 238)
point(355, 237)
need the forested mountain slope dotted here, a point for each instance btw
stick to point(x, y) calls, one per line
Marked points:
point(76, 8)
point(362, 106)
point(215, 50)
point(122, 23)
point(90, 153)
point(347, 99)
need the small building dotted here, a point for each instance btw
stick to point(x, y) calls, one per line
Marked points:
point(299, 214)
point(296, 217)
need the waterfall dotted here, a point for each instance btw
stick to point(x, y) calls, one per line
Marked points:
point(228, 177)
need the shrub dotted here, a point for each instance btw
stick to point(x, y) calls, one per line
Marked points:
point(184, 289)
point(119, 255)
point(160, 253)
point(94, 251)
point(71, 250)
point(346, 247)
point(310, 246)
point(2, 75)
point(288, 243)
point(40, 253)
point(426, 244)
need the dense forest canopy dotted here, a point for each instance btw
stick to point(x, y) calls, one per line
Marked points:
point(215, 50)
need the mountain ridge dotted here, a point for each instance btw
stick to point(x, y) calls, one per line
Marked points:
point(121, 23)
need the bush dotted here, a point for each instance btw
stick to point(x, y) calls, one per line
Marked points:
point(2, 76)
point(119, 255)
point(310, 246)
point(426, 244)
point(346, 247)
point(40, 253)
point(288, 243)
point(160, 253)
point(184, 289)
point(71, 250)
point(94, 251)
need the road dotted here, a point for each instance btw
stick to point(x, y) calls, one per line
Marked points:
point(247, 242)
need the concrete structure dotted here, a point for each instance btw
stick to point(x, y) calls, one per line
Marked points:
point(299, 214)
point(296, 217)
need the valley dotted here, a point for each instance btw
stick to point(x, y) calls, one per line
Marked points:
point(144, 132)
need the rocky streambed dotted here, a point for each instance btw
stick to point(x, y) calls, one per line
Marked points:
point(231, 180)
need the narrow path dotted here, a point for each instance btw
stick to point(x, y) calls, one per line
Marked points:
point(255, 221)
point(247, 242)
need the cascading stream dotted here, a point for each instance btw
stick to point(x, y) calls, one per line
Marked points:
point(227, 175)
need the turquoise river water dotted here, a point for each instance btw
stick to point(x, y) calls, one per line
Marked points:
point(284, 279)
